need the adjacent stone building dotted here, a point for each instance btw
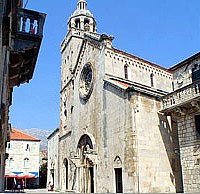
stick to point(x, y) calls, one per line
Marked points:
point(52, 168)
point(112, 137)
point(23, 158)
point(183, 104)
point(21, 32)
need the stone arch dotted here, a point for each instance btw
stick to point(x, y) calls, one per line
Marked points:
point(118, 174)
point(85, 148)
point(117, 162)
point(85, 139)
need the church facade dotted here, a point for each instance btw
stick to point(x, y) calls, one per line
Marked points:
point(113, 136)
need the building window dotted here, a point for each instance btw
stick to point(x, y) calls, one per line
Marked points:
point(195, 73)
point(66, 173)
point(27, 147)
point(26, 163)
point(77, 23)
point(197, 125)
point(87, 24)
point(118, 180)
point(152, 79)
point(173, 86)
point(9, 145)
point(126, 71)
point(65, 113)
point(11, 161)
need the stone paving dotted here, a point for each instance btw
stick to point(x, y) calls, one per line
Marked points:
point(32, 191)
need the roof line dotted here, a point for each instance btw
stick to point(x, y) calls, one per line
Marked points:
point(143, 60)
point(27, 135)
point(53, 133)
point(184, 62)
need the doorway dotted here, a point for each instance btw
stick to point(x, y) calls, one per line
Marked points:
point(118, 180)
point(91, 171)
point(66, 173)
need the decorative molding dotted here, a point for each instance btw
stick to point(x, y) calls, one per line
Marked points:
point(195, 104)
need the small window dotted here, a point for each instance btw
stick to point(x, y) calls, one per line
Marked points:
point(27, 147)
point(72, 108)
point(86, 21)
point(77, 23)
point(9, 145)
point(195, 73)
point(65, 113)
point(173, 86)
point(26, 163)
point(11, 161)
point(197, 125)
point(152, 79)
point(126, 71)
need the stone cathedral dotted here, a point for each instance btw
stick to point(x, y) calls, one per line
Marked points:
point(112, 135)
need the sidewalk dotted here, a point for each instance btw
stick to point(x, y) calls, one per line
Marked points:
point(32, 191)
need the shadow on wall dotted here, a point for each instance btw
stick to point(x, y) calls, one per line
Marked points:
point(169, 132)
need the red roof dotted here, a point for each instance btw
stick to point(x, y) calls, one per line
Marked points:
point(18, 135)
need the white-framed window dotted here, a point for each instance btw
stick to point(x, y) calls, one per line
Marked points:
point(26, 163)
point(11, 161)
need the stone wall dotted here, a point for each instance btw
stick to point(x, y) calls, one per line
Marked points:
point(52, 174)
point(154, 148)
point(4, 97)
point(189, 152)
point(18, 151)
point(125, 128)
point(183, 75)
point(120, 140)
point(139, 70)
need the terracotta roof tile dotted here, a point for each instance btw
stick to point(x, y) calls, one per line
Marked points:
point(19, 135)
point(126, 85)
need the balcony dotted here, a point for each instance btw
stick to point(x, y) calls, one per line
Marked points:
point(184, 97)
point(26, 38)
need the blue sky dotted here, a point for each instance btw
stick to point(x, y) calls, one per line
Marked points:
point(163, 32)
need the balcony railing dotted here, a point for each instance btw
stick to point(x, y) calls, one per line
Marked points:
point(29, 22)
point(181, 96)
point(27, 33)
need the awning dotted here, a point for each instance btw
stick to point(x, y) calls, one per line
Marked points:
point(10, 174)
point(26, 175)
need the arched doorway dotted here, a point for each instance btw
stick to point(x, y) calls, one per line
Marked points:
point(118, 174)
point(85, 149)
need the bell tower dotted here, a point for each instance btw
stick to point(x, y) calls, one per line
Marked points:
point(82, 19)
